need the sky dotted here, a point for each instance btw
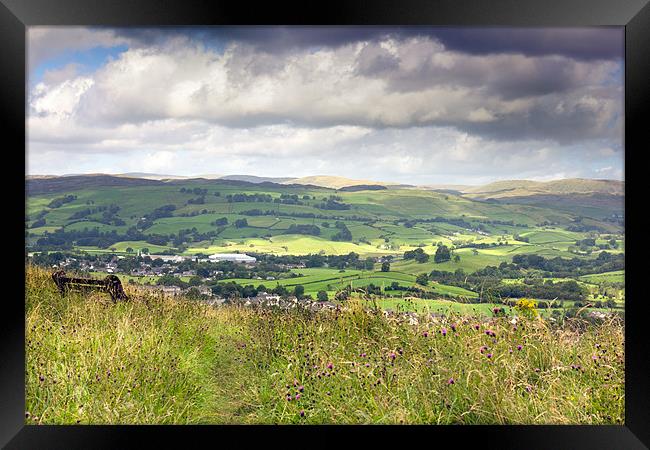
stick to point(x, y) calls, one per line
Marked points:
point(416, 105)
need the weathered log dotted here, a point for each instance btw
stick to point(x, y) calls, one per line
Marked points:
point(111, 285)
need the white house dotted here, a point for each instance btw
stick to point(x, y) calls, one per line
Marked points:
point(234, 257)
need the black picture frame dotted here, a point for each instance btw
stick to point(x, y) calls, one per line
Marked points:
point(16, 15)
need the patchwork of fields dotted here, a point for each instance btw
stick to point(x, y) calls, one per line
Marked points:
point(217, 216)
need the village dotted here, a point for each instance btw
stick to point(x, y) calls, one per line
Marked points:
point(157, 270)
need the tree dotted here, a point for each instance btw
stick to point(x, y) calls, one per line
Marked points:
point(442, 254)
point(129, 250)
point(457, 258)
point(241, 223)
point(299, 290)
point(322, 296)
point(385, 266)
point(145, 251)
point(422, 279)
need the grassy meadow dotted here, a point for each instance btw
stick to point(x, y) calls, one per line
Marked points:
point(174, 361)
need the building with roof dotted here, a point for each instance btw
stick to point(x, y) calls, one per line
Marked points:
point(234, 257)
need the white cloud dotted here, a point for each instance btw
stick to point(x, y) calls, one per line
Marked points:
point(402, 110)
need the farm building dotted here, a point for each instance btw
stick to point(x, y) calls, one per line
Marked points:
point(235, 257)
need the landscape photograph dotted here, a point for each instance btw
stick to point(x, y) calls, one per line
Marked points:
point(325, 225)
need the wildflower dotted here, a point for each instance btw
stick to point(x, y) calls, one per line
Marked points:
point(529, 388)
point(392, 355)
point(329, 366)
point(425, 334)
point(363, 355)
point(297, 396)
point(510, 351)
point(594, 357)
point(367, 364)
point(519, 347)
point(301, 388)
point(450, 381)
point(489, 355)
point(302, 413)
point(443, 332)
point(477, 326)
point(483, 348)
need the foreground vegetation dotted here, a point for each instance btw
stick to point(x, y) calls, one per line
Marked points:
point(158, 360)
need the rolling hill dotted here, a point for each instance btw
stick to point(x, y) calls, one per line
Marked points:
point(519, 188)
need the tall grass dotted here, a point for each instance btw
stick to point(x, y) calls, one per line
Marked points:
point(157, 360)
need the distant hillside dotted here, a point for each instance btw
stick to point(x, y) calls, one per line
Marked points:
point(522, 188)
point(363, 187)
point(36, 186)
point(333, 182)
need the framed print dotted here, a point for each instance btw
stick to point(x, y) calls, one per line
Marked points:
point(415, 216)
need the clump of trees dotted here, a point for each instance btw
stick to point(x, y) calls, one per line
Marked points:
point(220, 222)
point(312, 230)
point(240, 223)
point(58, 202)
point(333, 202)
point(344, 233)
point(442, 254)
point(418, 255)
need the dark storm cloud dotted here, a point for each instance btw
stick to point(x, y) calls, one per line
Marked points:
point(579, 43)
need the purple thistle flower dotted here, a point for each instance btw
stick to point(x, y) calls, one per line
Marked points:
point(510, 351)
point(519, 347)
point(477, 326)
point(443, 332)
point(329, 366)
point(297, 396)
point(450, 381)
point(363, 355)
point(528, 388)
point(489, 355)
point(392, 355)
point(594, 357)
point(301, 388)
point(425, 334)
point(302, 413)
point(483, 348)
point(453, 327)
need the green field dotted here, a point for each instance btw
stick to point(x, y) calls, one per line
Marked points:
point(381, 223)
point(617, 276)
